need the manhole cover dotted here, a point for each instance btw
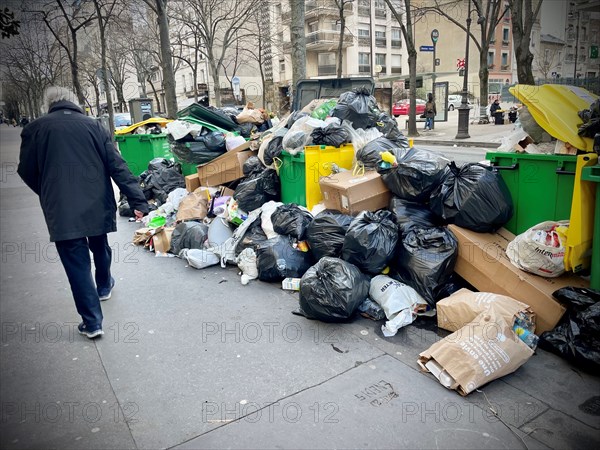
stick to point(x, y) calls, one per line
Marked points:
point(591, 406)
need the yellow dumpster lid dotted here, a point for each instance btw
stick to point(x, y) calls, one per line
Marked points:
point(131, 128)
point(555, 107)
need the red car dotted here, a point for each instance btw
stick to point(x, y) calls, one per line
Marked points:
point(402, 107)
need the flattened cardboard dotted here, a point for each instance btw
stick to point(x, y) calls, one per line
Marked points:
point(224, 169)
point(482, 261)
point(352, 194)
point(192, 182)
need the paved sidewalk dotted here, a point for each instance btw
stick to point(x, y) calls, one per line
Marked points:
point(444, 133)
point(193, 359)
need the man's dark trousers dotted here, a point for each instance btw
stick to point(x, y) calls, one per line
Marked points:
point(75, 257)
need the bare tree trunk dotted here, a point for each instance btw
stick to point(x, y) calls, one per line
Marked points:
point(75, 71)
point(523, 17)
point(105, 73)
point(412, 70)
point(214, 71)
point(484, 74)
point(156, 97)
point(340, 49)
point(298, 42)
point(167, 59)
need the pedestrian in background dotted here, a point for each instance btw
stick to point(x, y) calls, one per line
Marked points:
point(430, 112)
point(68, 160)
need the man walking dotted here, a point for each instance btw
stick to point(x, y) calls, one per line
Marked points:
point(68, 160)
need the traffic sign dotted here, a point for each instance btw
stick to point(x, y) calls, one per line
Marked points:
point(435, 34)
point(426, 48)
point(235, 80)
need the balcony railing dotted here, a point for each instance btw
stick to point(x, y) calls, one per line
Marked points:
point(490, 66)
point(380, 13)
point(364, 41)
point(396, 43)
point(364, 68)
point(326, 70)
point(504, 67)
point(363, 11)
point(397, 70)
point(317, 38)
point(504, 42)
point(380, 42)
point(314, 10)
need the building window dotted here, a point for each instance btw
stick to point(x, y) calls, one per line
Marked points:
point(396, 38)
point(491, 60)
point(364, 37)
point(335, 25)
point(183, 83)
point(380, 40)
point(282, 65)
point(326, 63)
point(505, 35)
point(504, 62)
point(380, 61)
point(364, 8)
point(380, 9)
point(396, 63)
point(313, 26)
point(364, 62)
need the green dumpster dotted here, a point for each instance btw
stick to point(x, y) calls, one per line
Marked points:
point(139, 149)
point(541, 186)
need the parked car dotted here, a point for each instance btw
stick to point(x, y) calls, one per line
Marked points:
point(122, 120)
point(454, 101)
point(402, 107)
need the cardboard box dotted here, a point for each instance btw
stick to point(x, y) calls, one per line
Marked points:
point(225, 168)
point(482, 261)
point(352, 194)
point(162, 240)
point(192, 182)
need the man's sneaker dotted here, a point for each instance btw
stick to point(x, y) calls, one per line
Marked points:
point(87, 333)
point(105, 294)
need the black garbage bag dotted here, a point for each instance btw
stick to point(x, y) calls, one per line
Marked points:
point(194, 152)
point(291, 220)
point(278, 259)
point(273, 150)
point(425, 259)
point(294, 117)
point(410, 214)
point(371, 240)
point(254, 191)
point(252, 166)
point(245, 129)
point(332, 290)
point(577, 336)
point(454, 284)
point(591, 120)
point(388, 126)
point(188, 235)
point(418, 173)
point(325, 234)
point(358, 106)
point(332, 134)
point(160, 179)
point(213, 140)
point(474, 197)
point(370, 156)
point(252, 238)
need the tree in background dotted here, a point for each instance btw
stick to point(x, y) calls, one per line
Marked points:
point(159, 7)
point(218, 24)
point(9, 26)
point(298, 38)
point(523, 15)
point(490, 14)
point(341, 4)
point(407, 33)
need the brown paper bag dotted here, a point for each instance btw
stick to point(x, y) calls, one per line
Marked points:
point(463, 306)
point(481, 351)
point(193, 206)
point(162, 240)
point(142, 236)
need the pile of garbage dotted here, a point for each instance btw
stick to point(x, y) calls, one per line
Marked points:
point(394, 261)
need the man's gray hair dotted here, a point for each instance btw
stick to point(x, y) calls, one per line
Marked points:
point(55, 94)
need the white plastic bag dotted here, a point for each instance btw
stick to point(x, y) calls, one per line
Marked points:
point(540, 249)
point(199, 259)
point(360, 137)
point(399, 302)
point(180, 129)
point(232, 142)
point(246, 262)
point(299, 135)
point(266, 223)
point(508, 142)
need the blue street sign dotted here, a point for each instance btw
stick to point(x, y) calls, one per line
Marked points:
point(426, 48)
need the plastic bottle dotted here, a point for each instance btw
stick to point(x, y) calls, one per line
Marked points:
point(523, 328)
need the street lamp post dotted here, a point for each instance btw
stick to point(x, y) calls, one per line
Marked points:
point(463, 109)
point(572, 14)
